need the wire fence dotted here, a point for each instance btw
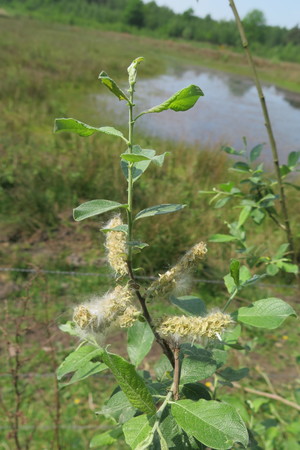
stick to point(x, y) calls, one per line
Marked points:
point(140, 277)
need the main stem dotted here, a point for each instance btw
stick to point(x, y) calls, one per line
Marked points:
point(268, 126)
point(163, 344)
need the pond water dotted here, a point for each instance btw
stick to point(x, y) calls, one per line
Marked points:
point(229, 110)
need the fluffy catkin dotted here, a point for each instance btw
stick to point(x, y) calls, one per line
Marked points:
point(98, 314)
point(194, 328)
point(116, 247)
point(178, 276)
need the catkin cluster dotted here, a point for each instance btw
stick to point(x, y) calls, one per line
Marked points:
point(116, 247)
point(184, 328)
point(97, 315)
point(177, 279)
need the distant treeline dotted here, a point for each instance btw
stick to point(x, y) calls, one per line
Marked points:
point(160, 21)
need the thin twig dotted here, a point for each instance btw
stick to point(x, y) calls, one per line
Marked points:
point(268, 125)
point(267, 395)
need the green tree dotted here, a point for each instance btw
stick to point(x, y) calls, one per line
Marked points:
point(134, 13)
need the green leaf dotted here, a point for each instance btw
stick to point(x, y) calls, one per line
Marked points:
point(215, 424)
point(230, 374)
point(89, 369)
point(95, 207)
point(80, 357)
point(272, 269)
point(140, 339)
point(221, 202)
point(257, 215)
point(235, 271)
point(163, 368)
point(175, 437)
point(241, 166)
point(222, 238)
point(133, 158)
point(255, 152)
point(293, 159)
point(282, 249)
point(75, 126)
point(197, 367)
point(190, 304)
point(107, 438)
point(118, 408)
point(130, 382)
point(244, 214)
point(288, 267)
point(132, 69)
point(69, 327)
point(159, 209)
point(112, 86)
point(195, 391)
point(229, 283)
point(137, 430)
point(268, 313)
point(141, 166)
point(123, 228)
point(245, 274)
point(180, 101)
point(232, 151)
point(284, 170)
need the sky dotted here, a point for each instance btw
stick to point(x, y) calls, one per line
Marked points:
point(277, 12)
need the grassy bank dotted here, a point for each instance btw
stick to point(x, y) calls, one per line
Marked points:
point(50, 71)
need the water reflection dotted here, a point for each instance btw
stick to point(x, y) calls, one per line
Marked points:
point(229, 110)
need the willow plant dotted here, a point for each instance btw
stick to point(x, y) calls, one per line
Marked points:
point(268, 124)
point(168, 407)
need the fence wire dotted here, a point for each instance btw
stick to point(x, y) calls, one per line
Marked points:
point(106, 275)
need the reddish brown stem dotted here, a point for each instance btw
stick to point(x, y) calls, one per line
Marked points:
point(162, 342)
point(176, 377)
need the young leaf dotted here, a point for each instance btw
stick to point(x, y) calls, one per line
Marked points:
point(95, 207)
point(268, 313)
point(159, 209)
point(130, 382)
point(132, 69)
point(235, 271)
point(255, 152)
point(215, 424)
point(293, 159)
point(112, 86)
point(140, 339)
point(232, 151)
point(229, 283)
point(137, 430)
point(139, 167)
point(80, 357)
point(244, 214)
point(241, 166)
point(282, 249)
point(75, 126)
point(190, 304)
point(181, 101)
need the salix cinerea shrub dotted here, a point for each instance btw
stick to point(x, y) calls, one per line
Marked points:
point(169, 407)
point(256, 199)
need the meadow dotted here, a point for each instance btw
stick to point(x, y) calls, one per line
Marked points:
point(50, 70)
